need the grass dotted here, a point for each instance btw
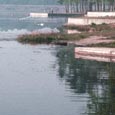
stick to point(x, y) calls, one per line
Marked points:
point(106, 30)
point(50, 38)
point(88, 28)
point(79, 28)
point(37, 38)
point(110, 45)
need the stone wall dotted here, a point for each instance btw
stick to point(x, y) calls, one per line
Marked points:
point(35, 15)
point(89, 21)
point(100, 14)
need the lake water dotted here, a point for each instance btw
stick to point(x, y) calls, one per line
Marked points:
point(15, 20)
point(47, 79)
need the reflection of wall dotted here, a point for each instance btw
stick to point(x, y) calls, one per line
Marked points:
point(103, 104)
point(97, 79)
point(102, 59)
point(77, 73)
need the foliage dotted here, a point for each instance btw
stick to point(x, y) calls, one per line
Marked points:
point(73, 6)
point(55, 38)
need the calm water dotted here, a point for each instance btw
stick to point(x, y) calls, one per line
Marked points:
point(48, 80)
point(15, 20)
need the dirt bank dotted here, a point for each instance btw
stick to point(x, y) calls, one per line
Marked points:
point(93, 40)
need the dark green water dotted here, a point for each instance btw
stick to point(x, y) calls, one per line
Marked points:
point(48, 80)
point(91, 78)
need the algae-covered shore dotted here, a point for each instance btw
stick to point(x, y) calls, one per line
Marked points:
point(90, 35)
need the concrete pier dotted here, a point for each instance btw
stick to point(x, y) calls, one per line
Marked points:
point(65, 14)
point(37, 15)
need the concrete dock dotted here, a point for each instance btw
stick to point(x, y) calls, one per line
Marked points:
point(35, 15)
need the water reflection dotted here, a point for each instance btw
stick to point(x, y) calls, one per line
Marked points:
point(103, 95)
point(96, 58)
point(39, 86)
point(97, 79)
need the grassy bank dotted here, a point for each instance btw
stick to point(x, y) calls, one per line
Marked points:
point(104, 30)
point(91, 28)
point(54, 38)
point(110, 45)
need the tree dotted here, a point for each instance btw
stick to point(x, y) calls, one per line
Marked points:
point(74, 6)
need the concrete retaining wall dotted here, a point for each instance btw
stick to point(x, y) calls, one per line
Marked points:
point(100, 14)
point(89, 21)
point(93, 17)
point(35, 15)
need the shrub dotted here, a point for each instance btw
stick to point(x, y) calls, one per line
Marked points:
point(93, 25)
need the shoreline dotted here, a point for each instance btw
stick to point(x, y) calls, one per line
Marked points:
point(90, 35)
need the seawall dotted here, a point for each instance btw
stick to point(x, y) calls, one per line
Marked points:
point(100, 14)
point(89, 21)
point(35, 15)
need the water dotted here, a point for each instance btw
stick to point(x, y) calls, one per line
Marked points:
point(47, 79)
point(91, 83)
point(15, 20)
point(28, 86)
point(56, 84)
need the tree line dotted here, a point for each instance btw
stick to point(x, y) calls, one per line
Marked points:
point(74, 6)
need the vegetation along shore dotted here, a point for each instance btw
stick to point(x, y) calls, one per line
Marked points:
point(95, 35)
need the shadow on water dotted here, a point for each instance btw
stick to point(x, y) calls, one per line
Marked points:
point(97, 79)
